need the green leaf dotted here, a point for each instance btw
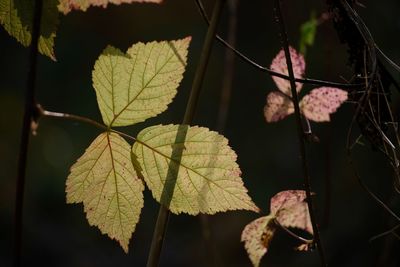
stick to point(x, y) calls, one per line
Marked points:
point(16, 16)
point(140, 84)
point(105, 181)
point(308, 30)
point(257, 237)
point(66, 6)
point(191, 169)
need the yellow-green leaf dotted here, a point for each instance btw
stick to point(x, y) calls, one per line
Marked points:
point(16, 16)
point(140, 84)
point(257, 236)
point(191, 169)
point(105, 181)
point(66, 6)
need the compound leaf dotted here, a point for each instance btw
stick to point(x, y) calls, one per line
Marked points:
point(279, 65)
point(257, 236)
point(321, 102)
point(16, 16)
point(191, 169)
point(105, 181)
point(140, 84)
point(66, 6)
point(278, 107)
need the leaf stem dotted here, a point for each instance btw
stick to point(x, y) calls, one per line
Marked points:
point(25, 133)
point(300, 130)
point(163, 215)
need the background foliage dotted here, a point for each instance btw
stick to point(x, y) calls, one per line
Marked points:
point(56, 234)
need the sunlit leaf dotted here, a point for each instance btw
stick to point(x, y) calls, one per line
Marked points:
point(191, 169)
point(321, 102)
point(279, 65)
point(105, 181)
point(66, 6)
point(278, 106)
point(257, 236)
point(16, 16)
point(140, 84)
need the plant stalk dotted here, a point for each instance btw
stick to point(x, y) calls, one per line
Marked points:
point(300, 130)
point(25, 133)
point(163, 214)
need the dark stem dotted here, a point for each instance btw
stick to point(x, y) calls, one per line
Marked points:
point(300, 130)
point(265, 69)
point(26, 129)
point(163, 214)
point(225, 99)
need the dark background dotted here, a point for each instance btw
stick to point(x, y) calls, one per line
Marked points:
point(57, 234)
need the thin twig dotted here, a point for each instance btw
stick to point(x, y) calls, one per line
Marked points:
point(300, 131)
point(163, 215)
point(265, 69)
point(26, 129)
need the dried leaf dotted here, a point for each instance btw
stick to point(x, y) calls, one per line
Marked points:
point(191, 169)
point(279, 65)
point(321, 102)
point(278, 107)
point(257, 236)
point(66, 6)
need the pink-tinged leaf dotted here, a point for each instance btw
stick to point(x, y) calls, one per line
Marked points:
point(66, 6)
point(321, 102)
point(257, 236)
point(295, 216)
point(279, 65)
point(286, 199)
point(278, 107)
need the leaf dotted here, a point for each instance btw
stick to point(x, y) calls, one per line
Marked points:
point(140, 84)
point(191, 170)
point(321, 102)
point(257, 236)
point(278, 107)
point(308, 30)
point(291, 210)
point(295, 216)
point(279, 65)
point(66, 6)
point(105, 181)
point(285, 199)
point(16, 16)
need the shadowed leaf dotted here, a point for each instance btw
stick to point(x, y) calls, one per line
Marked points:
point(103, 179)
point(16, 16)
point(191, 169)
point(257, 236)
point(140, 84)
point(278, 107)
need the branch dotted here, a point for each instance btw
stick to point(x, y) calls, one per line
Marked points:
point(26, 129)
point(163, 214)
point(267, 70)
point(300, 130)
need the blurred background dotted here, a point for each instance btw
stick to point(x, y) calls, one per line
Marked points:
point(57, 234)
